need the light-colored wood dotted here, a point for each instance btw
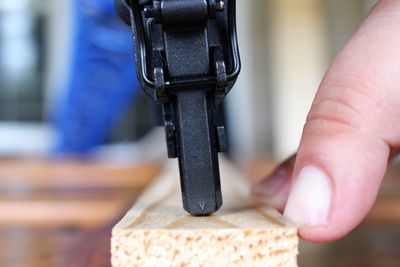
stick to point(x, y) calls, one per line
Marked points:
point(46, 175)
point(68, 194)
point(158, 232)
point(59, 213)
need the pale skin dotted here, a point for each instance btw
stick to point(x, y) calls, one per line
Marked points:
point(351, 133)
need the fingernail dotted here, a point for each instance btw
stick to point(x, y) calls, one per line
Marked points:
point(310, 198)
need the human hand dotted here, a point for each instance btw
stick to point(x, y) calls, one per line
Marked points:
point(350, 135)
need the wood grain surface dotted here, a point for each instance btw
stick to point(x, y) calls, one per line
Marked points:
point(158, 231)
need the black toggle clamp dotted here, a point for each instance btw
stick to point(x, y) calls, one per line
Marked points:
point(187, 60)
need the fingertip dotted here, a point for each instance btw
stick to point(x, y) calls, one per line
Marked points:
point(352, 167)
point(340, 224)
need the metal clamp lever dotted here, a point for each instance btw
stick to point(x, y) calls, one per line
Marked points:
point(187, 60)
point(197, 151)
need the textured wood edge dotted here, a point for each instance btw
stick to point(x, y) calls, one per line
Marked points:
point(149, 235)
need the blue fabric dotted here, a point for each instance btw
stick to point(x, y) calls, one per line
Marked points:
point(102, 80)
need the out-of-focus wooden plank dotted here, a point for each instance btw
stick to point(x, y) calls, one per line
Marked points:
point(59, 213)
point(44, 193)
point(59, 174)
point(385, 212)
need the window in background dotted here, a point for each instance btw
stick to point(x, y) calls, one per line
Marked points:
point(21, 62)
point(23, 130)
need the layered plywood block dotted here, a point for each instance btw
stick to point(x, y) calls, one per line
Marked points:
point(158, 232)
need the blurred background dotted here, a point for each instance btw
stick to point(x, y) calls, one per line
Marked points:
point(68, 91)
point(67, 76)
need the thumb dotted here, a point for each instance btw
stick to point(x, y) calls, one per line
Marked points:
point(350, 132)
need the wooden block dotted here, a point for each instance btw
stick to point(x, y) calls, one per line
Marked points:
point(158, 232)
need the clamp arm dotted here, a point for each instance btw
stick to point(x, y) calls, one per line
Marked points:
point(187, 59)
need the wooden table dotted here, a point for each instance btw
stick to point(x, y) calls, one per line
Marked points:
point(55, 213)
